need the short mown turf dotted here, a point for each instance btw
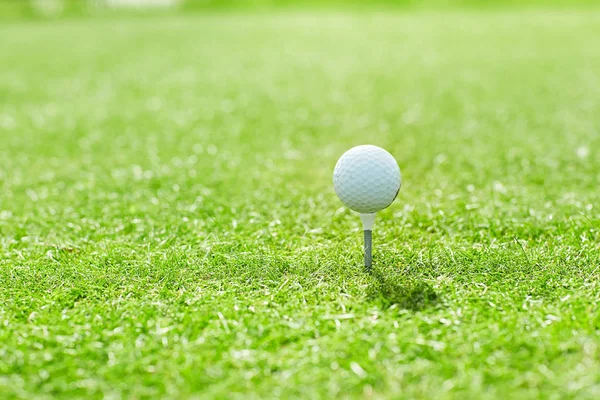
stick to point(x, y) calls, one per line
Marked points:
point(168, 226)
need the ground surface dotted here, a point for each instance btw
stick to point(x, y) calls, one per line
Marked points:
point(168, 225)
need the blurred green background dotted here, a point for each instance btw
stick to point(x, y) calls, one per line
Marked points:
point(19, 9)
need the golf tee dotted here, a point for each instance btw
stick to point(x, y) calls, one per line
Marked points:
point(368, 220)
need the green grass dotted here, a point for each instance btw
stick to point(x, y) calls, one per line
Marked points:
point(168, 226)
point(30, 9)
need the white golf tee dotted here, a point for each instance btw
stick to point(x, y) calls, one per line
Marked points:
point(368, 220)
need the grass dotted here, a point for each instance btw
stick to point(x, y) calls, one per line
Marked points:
point(69, 9)
point(168, 226)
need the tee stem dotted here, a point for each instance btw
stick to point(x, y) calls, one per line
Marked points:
point(368, 220)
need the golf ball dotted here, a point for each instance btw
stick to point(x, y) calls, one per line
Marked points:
point(367, 179)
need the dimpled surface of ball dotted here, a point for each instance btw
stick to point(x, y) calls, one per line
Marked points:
point(366, 178)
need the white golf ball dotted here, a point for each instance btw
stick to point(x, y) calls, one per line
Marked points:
point(367, 179)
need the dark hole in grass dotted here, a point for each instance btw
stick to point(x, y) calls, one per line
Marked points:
point(403, 292)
